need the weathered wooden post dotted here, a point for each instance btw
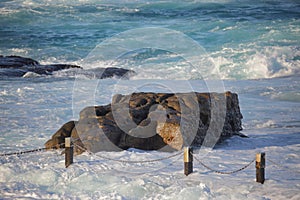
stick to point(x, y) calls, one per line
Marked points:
point(260, 167)
point(68, 152)
point(188, 160)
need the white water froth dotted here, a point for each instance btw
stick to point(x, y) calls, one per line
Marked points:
point(32, 109)
point(267, 124)
point(234, 64)
point(283, 95)
point(43, 106)
point(31, 75)
point(252, 63)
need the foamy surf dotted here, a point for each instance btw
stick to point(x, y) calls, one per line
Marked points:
point(254, 46)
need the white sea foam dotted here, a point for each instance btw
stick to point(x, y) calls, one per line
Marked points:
point(270, 128)
point(253, 40)
point(267, 124)
point(31, 75)
point(287, 96)
point(251, 63)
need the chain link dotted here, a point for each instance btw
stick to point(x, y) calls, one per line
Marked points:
point(28, 151)
point(148, 161)
point(130, 161)
point(22, 152)
point(220, 172)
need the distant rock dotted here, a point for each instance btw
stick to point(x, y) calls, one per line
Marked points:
point(49, 69)
point(154, 121)
point(110, 72)
point(17, 66)
point(116, 72)
point(101, 73)
point(16, 61)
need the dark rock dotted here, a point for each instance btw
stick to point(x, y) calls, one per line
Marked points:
point(102, 73)
point(49, 69)
point(117, 72)
point(58, 139)
point(17, 66)
point(16, 61)
point(156, 121)
point(10, 72)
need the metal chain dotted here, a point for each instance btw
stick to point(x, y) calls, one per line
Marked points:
point(142, 161)
point(220, 172)
point(147, 161)
point(130, 161)
point(22, 152)
point(281, 166)
point(28, 151)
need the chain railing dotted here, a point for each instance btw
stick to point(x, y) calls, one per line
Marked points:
point(224, 172)
point(260, 163)
point(22, 152)
point(130, 161)
point(18, 153)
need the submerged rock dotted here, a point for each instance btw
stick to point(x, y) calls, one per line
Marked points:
point(116, 72)
point(101, 73)
point(154, 121)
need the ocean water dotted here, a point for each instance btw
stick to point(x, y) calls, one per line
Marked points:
point(248, 47)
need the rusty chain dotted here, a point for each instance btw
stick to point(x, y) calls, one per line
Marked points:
point(28, 151)
point(221, 172)
point(23, 152)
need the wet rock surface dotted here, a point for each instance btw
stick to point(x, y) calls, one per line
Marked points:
point(17, 66)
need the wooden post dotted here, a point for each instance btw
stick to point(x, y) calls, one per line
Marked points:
point(188, 160)
point(260, 167)
point(68, 152)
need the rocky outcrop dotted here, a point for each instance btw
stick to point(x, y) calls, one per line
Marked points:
point(154, 121)
point(17, 66)
point(16, 61)
point(102, 73)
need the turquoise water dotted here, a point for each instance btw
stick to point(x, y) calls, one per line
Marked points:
point(245, 39)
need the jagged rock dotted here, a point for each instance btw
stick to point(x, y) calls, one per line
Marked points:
point(58, 138)
point(49, 69)
point(17, 66)
point(155, 121)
